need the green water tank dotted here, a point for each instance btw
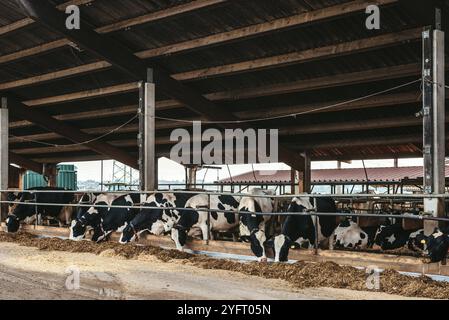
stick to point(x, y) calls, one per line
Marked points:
point(67, 178)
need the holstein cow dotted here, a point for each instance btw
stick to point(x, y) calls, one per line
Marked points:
point(299, 230)
point(252, 225)
point(77, 228)
point(219, 221)
point(349, 234)
point(105, 220)
point(157, 220)
point(390, 237)
point(417, 241)
point(437, 245)
point(22, 211)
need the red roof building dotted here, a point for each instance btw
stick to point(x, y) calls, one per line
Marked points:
point(389, 175)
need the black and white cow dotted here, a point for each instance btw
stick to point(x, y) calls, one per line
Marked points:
point(77, 228)
point(159, 219)
point(252, 225)
point(437, 245)
point(22, 211)
point(349, 234)
point(299, 230)
point(105, 220)
point(390, 237)
point(219, 221)
point(417, 241)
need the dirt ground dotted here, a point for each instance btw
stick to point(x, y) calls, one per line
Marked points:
point(30, 273)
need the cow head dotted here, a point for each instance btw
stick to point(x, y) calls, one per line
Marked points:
point(91, 219)
point(20, 212)
point(437, 246)
point(78, 226)
point(129, 234)
point(99, 234)
point(77, 230)
point(300, 204)
point(418, 241)
point(12, 223)
point(179, 236)
point(251, 232)
point(257, 240)
point(281, 245)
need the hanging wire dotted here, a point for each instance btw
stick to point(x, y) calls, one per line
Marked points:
point(229, 171)
point(366, 176)
point(297, 113)
point(204, 177)
point(254, 173)
point(79, 143)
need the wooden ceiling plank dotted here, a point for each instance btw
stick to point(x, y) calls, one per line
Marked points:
point(264, 28)
point(331, 51)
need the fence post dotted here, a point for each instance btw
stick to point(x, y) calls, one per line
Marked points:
point(4, 155)
point(433, 74)
point(316, 235)
point(208, 219)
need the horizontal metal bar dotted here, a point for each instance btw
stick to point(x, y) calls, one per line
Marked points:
point(306, 195)
point(336, 214)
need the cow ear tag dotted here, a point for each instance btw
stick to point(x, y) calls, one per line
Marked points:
point(423, 241)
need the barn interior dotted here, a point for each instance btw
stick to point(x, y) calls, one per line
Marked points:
point(312, 69)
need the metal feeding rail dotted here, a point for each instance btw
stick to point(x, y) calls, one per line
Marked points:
point(358, 197)
point(366, 197)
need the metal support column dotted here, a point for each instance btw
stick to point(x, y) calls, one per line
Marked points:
point(4, 154)
point(307, 176)
point(433, 123)
point(147, 134)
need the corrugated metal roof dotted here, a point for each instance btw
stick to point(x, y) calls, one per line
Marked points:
point(333, 175)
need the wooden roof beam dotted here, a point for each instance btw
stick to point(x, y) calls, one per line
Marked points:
point(25, 162)
point(131, 128)
point(358, 142)
point(71, 148)
point(331, 51)
point(160, 15)
point(264, 28)
point(83, 95)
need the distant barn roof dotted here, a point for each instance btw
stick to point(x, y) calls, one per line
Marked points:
point(321, 176)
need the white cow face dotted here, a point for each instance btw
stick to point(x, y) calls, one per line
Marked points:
point(257, 240)
point(281, 247)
